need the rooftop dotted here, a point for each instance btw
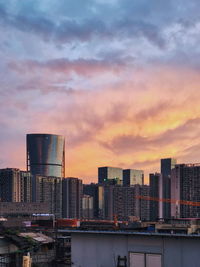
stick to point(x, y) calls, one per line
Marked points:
point(130, 233)
point(38, 237)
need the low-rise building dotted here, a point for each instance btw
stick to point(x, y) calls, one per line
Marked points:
point(16, 209)
point(128, 249)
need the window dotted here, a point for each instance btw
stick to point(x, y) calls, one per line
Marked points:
point(145, 260)
point(153, 260)
point(137, 260)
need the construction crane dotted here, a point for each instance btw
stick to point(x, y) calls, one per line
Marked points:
point(168, 200)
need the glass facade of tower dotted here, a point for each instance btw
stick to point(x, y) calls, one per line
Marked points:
point(132, 177)
point(46, 154)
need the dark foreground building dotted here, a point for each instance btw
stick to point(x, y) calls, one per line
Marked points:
point(46, 154)
point(129, 249)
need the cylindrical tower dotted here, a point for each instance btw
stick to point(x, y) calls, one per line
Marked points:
point(46, 154)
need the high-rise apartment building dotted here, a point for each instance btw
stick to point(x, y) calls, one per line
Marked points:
point(132, 177)
point(185, 191)
point(167, 165)
point(154, 181)
point(108, 202)
point(110, 175)
point(87, 207)
point(144, 191)
point(165, 187)
point(46, 154)
point(10, 185)
point(72, 192)
point(49, 190)
point(15, 185)
point(26, 186)
point(128, 202)
point(124, 202)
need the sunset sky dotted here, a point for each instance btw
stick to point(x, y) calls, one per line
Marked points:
point(120, 79)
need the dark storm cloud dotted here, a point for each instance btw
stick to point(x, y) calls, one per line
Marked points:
point(69, 29)
point(138, 28)
point(29, 23)
point(74, 21)
point(161, 12)
point(126, 18)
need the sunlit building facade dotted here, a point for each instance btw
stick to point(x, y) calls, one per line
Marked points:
point(87, 207)
point(110, 175)
point(132, 177)
point(46, 154)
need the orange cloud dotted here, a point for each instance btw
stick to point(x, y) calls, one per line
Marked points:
point(146, 115)
point(159, 121)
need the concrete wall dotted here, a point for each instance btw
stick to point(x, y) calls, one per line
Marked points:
point(102, 250)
